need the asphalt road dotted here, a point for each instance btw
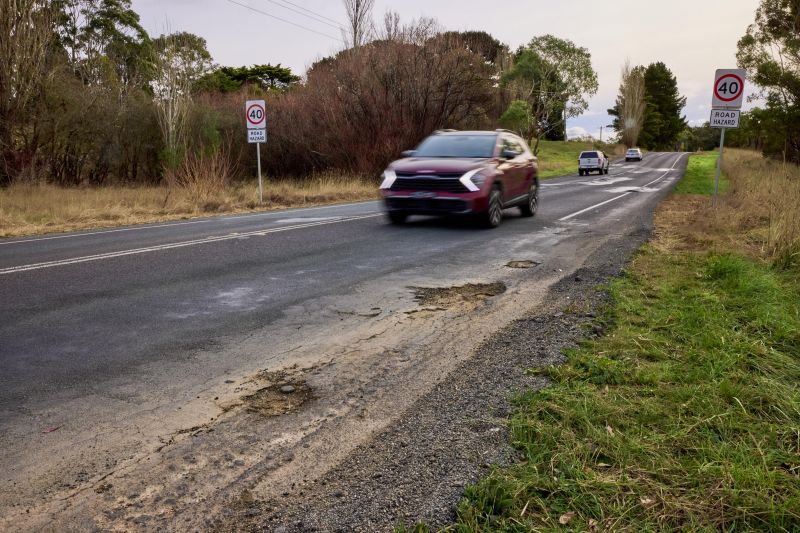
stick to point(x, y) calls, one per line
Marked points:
point(83, 310)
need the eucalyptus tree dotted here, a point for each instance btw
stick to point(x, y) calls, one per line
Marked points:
point(555, 77)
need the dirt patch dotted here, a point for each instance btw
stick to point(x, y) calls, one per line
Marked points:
point(522, 264)
point(278, 399)
point(448, 297)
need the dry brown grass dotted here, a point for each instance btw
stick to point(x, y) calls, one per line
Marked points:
point(36, 209)
point(760, 215)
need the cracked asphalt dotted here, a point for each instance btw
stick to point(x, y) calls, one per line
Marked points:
point(123, 352)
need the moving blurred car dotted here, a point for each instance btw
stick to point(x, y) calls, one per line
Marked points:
point(633, 154)
point(477, 173)
point(593, 161)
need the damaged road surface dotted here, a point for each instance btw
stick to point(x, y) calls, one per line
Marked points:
point(312, 370)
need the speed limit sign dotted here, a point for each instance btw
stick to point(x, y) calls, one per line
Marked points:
point(255, 114)
point(728, 89)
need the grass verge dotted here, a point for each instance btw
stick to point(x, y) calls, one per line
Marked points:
point(686, 415)
point(37, 209)
point(699, 177)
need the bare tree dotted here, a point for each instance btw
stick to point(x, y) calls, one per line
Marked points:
point(632, 108)
point(418, 31)
point(25, 38)
point(359, 21)
point(181, 59)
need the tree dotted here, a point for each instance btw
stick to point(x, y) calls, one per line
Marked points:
point(359, 21)
point(24, 47)
point(629, 109)
point(265, 77)
point(181, 60)
point(105, 42)
point(770, 51)
point(517, 117)
point(663, 122)
point(554, 76)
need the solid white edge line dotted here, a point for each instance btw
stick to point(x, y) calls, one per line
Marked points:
point(182, 244)
point(621, 195)
point(278, 212)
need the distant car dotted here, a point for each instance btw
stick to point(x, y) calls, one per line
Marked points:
point(633, 154)
point(593, 161)
point(476, 173)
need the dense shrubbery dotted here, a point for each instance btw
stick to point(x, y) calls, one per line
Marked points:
point(89, 98)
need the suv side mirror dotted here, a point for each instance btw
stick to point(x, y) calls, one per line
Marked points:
point(508, 154)
point(408, 153)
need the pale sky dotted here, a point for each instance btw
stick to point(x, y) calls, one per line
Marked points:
point(693, 37)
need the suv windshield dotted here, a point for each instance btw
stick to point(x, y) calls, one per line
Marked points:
point(586, 155)
point(457, 146)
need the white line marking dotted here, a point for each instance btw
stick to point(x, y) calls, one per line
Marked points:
point(279, 212)
point(621, 195)
point(183, 244)
point(589, 208)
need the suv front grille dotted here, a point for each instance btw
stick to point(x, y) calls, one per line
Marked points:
point(429, 183)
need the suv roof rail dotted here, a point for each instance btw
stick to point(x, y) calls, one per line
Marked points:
point(506, 131)
point(446, 130)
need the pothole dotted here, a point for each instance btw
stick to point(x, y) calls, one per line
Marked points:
point(522, 264)
point(278, 399)
point(447, 297)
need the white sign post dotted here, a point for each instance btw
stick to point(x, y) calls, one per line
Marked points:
point(726, 102)
point(256, 117)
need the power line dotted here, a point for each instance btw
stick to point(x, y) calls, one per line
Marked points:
point(312, 11)
point(256, 10)
point(313, 15)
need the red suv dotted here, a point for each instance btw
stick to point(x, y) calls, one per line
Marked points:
point(463, 173)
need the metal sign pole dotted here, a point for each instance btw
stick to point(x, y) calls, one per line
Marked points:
point(719, 165)
point(260, 190)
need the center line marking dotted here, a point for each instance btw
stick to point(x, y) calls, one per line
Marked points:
point(182, 244)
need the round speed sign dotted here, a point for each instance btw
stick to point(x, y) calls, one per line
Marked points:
point(728, 89)
point(255, 113)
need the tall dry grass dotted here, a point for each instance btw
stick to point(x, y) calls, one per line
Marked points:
point(29, 209)
point(758, 216)
point(765, 199)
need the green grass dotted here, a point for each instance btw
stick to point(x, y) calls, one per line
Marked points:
point(699, 177)
point(557, 158)
point(686, 416)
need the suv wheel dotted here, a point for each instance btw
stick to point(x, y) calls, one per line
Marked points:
point(396, 217)
point(529, 207)
point(494, 214)
point(580, 173)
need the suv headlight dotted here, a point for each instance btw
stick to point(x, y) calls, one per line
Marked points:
point(473, 180)
point(388, 179)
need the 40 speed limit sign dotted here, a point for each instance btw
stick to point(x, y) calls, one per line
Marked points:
point(728, 89)
point(255, 112)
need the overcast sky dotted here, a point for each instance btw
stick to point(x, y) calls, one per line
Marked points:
point(693, 37)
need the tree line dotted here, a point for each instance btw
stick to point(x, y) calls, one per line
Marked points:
point(88, 97)
point(647, 111)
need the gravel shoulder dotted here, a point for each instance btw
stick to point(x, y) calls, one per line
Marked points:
point(416, 469)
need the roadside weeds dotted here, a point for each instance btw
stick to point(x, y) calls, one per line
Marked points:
point(32, 209)
point(684, 416)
